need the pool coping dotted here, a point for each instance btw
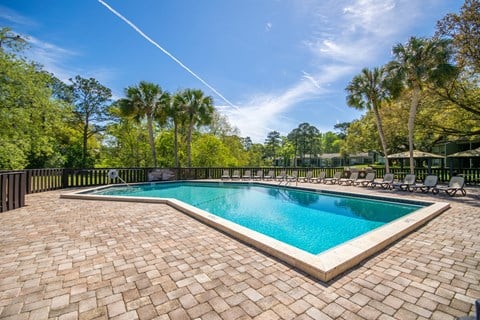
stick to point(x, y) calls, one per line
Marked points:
point(323, 266)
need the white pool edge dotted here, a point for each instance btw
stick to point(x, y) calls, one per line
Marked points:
point(324, 266)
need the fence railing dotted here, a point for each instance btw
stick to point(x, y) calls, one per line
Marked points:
point(14, 185)
point(12, 190)
point(40, 180)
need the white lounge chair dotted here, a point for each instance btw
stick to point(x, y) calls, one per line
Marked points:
point(407, 182)
point(258, 175)
point(456, 183)
point(334, 179)
point(386, 182)
point(236, 175)
point(247, 175)
point(293, 177)
point(369, 178)
point(269, 175)
point(282, 176)
point(350, 180)
point(225, 175)
point(428, 184)
point(320, 178)
point(307, 178)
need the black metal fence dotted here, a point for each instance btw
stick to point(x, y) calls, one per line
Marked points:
point(14, 185)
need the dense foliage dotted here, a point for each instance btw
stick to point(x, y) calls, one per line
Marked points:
point(428, 94)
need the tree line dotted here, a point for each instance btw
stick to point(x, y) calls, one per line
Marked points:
point(45, 122)
point(428, 93)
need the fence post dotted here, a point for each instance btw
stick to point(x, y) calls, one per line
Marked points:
point(3, 192)
point(22, 189)
point(12, 190)
point(145, 173)
point(64, 178)
point(28, 181)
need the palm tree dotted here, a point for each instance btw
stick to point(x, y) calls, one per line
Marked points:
point(368, 90)
point(147, 100)
point(175, 112)
point(197, 110)
point(418, 63)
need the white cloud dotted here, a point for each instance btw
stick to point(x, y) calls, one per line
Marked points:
point(14, 17)
point(346, 35)
point(372, 16)
point(52, 57)
point(264, 113)
point(344, 50)
point(362, 30)
point(56, 60)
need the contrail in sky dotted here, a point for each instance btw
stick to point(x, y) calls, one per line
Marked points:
point(115, 12)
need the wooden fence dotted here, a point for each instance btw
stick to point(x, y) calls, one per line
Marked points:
point(40, 180)
point(14, 185)
point(12, 190)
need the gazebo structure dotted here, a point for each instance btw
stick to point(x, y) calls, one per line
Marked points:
point(417, 155)
point(470, 155)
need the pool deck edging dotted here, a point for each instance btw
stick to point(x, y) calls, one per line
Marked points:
point(324, 266)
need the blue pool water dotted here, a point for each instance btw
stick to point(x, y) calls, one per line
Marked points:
point(308, 220)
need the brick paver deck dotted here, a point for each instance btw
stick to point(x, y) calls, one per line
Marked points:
point(76, 259)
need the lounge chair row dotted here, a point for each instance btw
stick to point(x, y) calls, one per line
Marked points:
point(456, 184)
point(247, 175)
point(336, 179)
point(354, 179)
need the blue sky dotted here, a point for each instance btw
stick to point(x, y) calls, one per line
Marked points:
point(269, 64)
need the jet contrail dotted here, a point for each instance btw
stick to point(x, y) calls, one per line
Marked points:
point(115, 12)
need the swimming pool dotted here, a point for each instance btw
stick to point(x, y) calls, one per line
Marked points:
point(322, 233)
point(307, 220)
